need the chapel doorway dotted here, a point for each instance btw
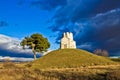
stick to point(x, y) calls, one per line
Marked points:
point(65, 45)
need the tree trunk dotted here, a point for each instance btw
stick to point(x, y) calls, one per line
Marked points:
point(34, 55)
point(24, 47)
point(33, 49)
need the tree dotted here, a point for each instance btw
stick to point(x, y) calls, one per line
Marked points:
point(98, 52)
point(36, 42)
point(101, 52)
point(105, 53)
point(23, 43)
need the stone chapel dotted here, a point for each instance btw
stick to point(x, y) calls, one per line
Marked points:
point(67, 41)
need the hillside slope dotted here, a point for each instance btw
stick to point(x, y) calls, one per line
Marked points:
point(70, 58)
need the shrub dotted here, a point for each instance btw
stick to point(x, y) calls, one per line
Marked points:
point(28, 65)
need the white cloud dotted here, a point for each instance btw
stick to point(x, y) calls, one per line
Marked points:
point(114, 56)
point(107, 13)
point(12, 44)
point(20, 59)
point(85, 46)
point(13, 49)
point(46, 52)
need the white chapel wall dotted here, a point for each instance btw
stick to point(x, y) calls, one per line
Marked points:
point(67, 41)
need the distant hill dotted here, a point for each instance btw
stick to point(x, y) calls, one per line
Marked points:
point(70, 58)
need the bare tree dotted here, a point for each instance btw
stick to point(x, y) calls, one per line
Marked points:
point(101, 52)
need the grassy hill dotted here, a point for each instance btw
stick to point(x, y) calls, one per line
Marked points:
point(72, 64)
point(70, 58)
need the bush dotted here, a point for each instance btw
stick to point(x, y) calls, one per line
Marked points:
point(28, 65)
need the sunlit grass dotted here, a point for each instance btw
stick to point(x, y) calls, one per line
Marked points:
point(19, 71)
point(70, 58)
point(67, 64)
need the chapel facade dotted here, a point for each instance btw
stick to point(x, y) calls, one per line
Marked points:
point(67, 41)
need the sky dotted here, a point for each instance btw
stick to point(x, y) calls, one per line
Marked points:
point(95, 24)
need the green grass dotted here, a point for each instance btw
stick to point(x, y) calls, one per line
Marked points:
point(116, 59)
point(70, 58)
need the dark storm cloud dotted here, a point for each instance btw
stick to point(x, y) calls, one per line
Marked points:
point(4, 52)
point(3, 23)
point(106, 5)
point(95, 23)
point(16, 56)
point(76, 10)
point(103, 32)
